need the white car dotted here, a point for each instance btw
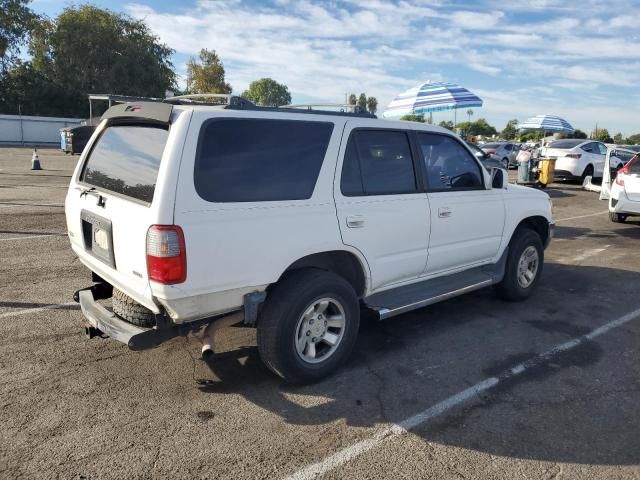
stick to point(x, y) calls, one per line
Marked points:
point(576, 158)
point(505, 151)
point(196, 217)
point(624, 200)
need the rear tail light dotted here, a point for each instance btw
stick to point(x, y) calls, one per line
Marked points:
point(166, 254)
point(625, 170)
point(573, 155)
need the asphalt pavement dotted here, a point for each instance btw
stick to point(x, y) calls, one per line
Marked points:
point(470, 388)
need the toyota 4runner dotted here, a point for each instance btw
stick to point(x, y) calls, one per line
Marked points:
point(195, 216)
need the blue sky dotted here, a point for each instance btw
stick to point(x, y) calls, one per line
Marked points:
point(579, 59)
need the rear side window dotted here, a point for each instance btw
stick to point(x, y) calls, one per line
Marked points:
point(257, 160)
point(377, 162)
point(125, 160)
point(634, 166)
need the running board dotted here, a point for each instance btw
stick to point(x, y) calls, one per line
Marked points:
point(397, 301)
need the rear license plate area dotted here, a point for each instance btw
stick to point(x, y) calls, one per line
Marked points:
point(98, 237)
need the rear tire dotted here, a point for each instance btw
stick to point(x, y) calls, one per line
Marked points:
point(524, 266)
point(617, 217)
point(128, 309)
point(293, 317)
point(588, 172)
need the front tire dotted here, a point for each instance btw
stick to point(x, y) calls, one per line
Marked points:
point(524, 266)
point(505, 163)
point(308, 326)
point(617, 217)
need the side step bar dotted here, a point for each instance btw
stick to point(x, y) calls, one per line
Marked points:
point(397, 301)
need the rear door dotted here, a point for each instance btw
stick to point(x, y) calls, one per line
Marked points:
point(109, 206)
point(382, 209)
point(599, 159)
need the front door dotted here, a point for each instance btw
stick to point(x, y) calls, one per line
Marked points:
point(467, 219)
point(382, 210)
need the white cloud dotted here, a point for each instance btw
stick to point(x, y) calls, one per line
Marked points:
point(476, 20)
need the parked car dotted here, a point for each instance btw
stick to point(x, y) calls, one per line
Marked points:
point(624, 200)
point(635, 148)
point(488, 161)
point(577, 158)
point(506, 152)
point(75, 138)
point(196, 216)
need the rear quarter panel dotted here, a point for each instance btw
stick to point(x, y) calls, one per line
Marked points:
point(233, 248)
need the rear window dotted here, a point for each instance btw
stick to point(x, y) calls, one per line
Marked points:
point(565, 144)
point(634, 166)
point(257, 160)
point(125, 160)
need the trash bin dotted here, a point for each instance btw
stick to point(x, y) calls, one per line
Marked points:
point(547, 167)
point(524, 171)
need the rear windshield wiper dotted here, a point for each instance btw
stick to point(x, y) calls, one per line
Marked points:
point(93, 191)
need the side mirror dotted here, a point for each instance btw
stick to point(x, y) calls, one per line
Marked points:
point(499, 178)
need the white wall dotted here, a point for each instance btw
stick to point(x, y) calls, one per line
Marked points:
point(25, 130)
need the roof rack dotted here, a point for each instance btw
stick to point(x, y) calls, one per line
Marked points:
point(233, 102)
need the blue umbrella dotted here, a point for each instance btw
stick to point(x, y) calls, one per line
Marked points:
point(546, 123)
point(432, 97)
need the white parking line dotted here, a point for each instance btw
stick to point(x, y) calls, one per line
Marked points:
point(345, 455)
point(33, 236)
point(580, 216)
point(36, 310)
point(587, 254)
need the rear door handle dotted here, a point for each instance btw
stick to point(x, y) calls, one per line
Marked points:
point(444, 212)
point(355, 221)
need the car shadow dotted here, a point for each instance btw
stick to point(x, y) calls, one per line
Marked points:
point(406, 364)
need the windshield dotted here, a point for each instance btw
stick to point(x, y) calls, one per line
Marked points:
point(564, 144)
point(125, 160)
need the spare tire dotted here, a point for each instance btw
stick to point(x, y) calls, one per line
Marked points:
point(128, 309)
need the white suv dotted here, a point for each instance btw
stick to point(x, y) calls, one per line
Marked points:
point(196, 216)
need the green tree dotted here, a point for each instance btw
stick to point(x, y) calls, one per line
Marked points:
point(16, 21)
point(90, 50)
point(268, 92)
point(578, 134)
point(353, 100)
point(600, 134)
point(618, 138)
point(447, 124)
point(372, 105)
point(479, 127)
point(634, 139)
point(208, 75)
point(510, 131)
point(469, 114)
point(412, 117)
point(362, 101)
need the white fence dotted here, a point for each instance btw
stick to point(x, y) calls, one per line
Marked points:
point(23, 130)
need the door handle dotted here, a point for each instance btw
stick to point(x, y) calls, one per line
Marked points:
point(355, 221)
point(444, 212)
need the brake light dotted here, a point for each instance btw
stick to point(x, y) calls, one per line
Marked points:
point(166, 254)
point(573, 155)
point(623, 171)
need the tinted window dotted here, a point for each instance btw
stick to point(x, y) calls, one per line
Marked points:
point(589, 147)
point(377, 162)
point(253, 160)
point(566, 144)
point(508, 147)
point(480, 155)
point(448, 164)
point(601, 148)
point(125, 160)
point(634, 166)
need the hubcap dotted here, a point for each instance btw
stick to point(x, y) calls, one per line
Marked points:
point(320, 330)
point(528, 266)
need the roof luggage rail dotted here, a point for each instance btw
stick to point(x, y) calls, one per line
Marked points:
point(234, 102)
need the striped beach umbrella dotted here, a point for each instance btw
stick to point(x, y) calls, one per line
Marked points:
point(546, 123)
point(431, 97)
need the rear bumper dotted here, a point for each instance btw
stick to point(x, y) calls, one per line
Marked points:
point(623, 205)
point(106, 321)
point(564, 175)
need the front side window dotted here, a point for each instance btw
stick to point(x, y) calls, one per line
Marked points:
point(125, 160)
point(378, 162)
point(448, 164)
point(256, 160)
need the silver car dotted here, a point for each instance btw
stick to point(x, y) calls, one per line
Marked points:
point(505, 151)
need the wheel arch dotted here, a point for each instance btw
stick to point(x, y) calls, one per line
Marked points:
point(341, 262)
point(538, 224)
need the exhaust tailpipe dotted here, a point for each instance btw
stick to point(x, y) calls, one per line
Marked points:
point(210, 331)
